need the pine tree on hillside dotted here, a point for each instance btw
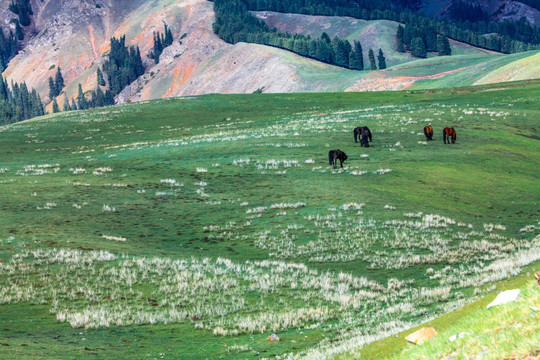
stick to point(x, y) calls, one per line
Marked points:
point(359, 55)
point(168, 40)
point(100, 79)
point(324, 51)
point(82, 103)
point(67, 107)
point(372, 63)
point(326, 38)
point(73, 104)
point(3, 89)
point(18, 30)
point(52, 88)
point(382, 60)
point(340, 51)
point(418, 48)
point(400, 39)
point(59, 81)
point(158, 47)
point(55, 107)
point(443, 46)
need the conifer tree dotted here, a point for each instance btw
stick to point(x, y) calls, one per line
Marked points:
point(55, 107)
point(52, 88)
point(158, 47)
point(341, 52)
point(400, 39)
point(372, 62)
point(3, 89)
point(418, 48)
point(100, 79)
point(382, 60)
point(356, 59)
point(59, 81)
point(73, 104)
point(443, 46)
point(168, 40)
point(67, 107)
point(18, 30)
point(82, 103)
point(359, 54)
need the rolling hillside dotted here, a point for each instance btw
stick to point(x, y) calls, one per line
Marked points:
point(199, 62)
point(195, 227)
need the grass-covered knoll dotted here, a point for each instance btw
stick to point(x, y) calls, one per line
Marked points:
point(195, 227)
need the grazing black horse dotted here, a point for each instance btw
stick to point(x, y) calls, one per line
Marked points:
point(449, 133)
point(364, 134)
point(334, 155)
point(428, 131)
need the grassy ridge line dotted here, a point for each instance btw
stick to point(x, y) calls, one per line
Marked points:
point(464, 319)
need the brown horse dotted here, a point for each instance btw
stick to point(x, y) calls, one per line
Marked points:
point(449, 133)
point(334, 155)
point(428, 131)
point(364, 134)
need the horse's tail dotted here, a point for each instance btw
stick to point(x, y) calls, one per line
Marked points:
point(444, 135)
point(454, 135)
point(331, 157)
point(356, 135)
point(369, 133)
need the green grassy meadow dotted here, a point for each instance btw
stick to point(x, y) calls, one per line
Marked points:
point(193, 228)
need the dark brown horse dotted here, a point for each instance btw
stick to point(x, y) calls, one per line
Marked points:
point(335, 155)
point(428, 131)
point(364, 134)
point(449, 133)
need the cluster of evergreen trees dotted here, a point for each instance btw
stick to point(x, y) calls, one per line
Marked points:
point(513, 36)
point(420, 40)
point(123, 66)
point(56, 85)
point(18, 103)
point(234, 24)
point(9, 44)
point(161, 41)
point(23, 9)
point(9, 47)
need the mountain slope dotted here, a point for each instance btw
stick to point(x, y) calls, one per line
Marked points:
point(199, 63)
point(75, 35)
